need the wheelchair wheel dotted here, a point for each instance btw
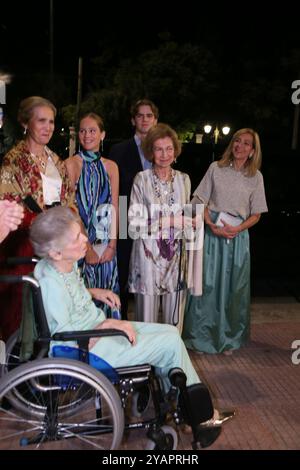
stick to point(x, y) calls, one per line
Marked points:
point(12, 356)
point(166, 441)
point(52, 385)
point(20, 396)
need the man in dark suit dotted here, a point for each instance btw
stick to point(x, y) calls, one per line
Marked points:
point(130, 159)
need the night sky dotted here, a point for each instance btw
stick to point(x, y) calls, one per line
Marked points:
point(234, 35)
point(85, 30)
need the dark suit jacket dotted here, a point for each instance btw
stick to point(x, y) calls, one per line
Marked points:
point(127, 157)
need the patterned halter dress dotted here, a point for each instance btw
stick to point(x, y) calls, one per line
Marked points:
point(93, 195)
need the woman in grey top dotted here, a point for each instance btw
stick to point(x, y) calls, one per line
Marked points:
point(233, 193)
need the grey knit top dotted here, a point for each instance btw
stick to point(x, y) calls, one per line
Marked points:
point(226, 189)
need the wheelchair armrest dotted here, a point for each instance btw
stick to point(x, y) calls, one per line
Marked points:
point(87, 334)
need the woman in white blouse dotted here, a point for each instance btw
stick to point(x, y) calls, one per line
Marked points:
point(33, 175)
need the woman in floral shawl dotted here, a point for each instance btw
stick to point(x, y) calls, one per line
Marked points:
point(30, 172)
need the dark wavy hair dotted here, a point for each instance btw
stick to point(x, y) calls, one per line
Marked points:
point(144, 102)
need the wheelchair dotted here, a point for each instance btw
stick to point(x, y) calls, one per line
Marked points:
point(76, 400)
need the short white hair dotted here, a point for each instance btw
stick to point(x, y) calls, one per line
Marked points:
point(49, 228)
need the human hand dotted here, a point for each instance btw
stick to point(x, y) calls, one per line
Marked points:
point(106, 296)
point(217, 230)
point(230, 230)
point(11, 215)
point(227, 231)
point(122, 325)
point(108, 254)
point(197, 221)
point(178, 221)
point(188, 228)
point(127, 327)
point(91, 256)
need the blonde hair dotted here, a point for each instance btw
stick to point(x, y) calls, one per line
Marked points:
point(49, 228)
point(160, 131)
point(252, 164)
point(28, 105)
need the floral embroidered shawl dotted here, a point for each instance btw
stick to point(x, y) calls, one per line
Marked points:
point(20, 177)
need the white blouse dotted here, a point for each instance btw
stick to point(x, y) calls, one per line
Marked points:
point(52, 183)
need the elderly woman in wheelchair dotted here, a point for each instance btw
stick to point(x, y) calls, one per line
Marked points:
point(62, 400)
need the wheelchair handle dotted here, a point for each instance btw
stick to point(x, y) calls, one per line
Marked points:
point(21, 260)
point(15, 279)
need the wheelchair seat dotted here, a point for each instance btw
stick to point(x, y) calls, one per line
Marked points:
point(97, 362)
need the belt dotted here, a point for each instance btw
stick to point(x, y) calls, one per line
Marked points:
point(54, 204)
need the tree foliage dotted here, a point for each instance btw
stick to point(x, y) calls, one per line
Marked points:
point(191, 84)
point(178, 78)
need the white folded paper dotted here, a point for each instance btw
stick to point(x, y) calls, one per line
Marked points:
point(228, 219)
point(100, 248)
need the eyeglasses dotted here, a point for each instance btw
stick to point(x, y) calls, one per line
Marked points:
point(141, 116)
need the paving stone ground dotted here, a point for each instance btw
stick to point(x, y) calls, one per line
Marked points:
point(259, 381)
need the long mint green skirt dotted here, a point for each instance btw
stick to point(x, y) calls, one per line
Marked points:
point(219, 320)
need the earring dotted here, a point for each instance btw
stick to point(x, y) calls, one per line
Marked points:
point(25, 131)
point(101, 146)
point(250, 155)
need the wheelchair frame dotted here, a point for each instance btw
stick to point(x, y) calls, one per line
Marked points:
point(49, 420)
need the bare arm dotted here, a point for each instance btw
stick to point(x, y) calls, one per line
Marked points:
point(91, 256)
point(74, 167)
point(113, 173)
point(252, 220)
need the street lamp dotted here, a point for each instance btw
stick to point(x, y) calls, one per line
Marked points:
point(216, 134)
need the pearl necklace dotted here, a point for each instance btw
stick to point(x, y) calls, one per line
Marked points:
point(75, 287)
point(81, 298)
point(164, 190)
point(66, 276)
